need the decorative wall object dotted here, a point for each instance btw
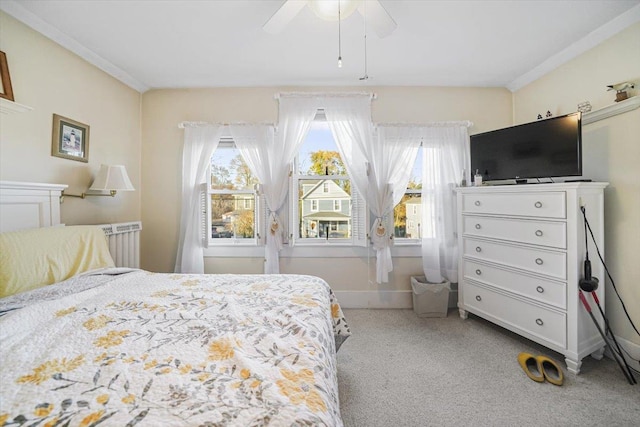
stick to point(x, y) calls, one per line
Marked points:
point(584, 107)
point(70, 139)
point(5, 78)
point(621, 90)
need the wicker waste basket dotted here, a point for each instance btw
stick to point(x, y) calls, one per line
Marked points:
point(430, 299)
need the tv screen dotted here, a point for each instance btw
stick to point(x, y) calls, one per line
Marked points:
point(543, 149)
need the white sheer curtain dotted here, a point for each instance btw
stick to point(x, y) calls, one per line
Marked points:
point(393, 154)
point(379, 167)
point(199, 144)
point(264, 157)
point(269, 156)
point(445, 156)
point(349, 119)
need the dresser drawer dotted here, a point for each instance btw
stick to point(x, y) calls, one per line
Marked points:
point(545, 291)
point(541, 261)
point(538, 204)
point(544, 233)
point(516, 314)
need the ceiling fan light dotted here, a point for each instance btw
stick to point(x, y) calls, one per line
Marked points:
point(328, 9)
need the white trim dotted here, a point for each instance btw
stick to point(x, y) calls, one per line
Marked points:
point(11, 107)
point(227, 249)
point(374, 299)
point(323, 94)
point(21, 185)
point(632, 348)
point(611, 110)
point(590, 41)
point(16, 10)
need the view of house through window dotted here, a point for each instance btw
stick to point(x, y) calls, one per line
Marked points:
point(324, 188)
point(232, 195)
point(325, 207)
point(407, 215)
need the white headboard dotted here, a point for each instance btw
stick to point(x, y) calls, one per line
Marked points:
point(29, 205)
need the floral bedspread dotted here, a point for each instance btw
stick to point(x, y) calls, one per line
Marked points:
point(175, 350)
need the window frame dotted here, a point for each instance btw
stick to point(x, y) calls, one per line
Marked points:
point(258, 209)
point(359, 237)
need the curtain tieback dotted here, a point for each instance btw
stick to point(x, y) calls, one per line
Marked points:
point(380, 236)
point(274, 224)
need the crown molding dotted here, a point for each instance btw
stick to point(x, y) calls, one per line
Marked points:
point(16, 10)
point(590, 41)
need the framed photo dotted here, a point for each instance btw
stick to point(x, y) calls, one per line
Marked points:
point(5, 78)
point(70, 139)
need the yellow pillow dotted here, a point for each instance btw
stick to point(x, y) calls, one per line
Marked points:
point(33, 258)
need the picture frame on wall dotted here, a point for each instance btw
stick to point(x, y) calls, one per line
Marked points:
point(70, 139)
point(5, 83)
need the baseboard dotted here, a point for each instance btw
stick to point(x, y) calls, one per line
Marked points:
point(374, 299)
point(383, 299)
point(632, 348)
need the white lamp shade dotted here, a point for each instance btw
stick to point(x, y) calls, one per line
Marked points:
point(112, 177)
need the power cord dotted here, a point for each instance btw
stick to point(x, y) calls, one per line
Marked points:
point(608, 329)
point(613, 284)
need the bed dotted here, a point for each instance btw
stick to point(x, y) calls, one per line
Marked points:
point(122, 346)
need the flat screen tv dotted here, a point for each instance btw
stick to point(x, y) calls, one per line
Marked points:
point(544, 149)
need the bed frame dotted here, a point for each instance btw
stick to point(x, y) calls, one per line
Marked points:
point(29, 205)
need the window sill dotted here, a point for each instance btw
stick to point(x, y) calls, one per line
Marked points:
point(315, 251)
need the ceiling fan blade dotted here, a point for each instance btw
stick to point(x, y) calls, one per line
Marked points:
point(378, 18)
point(284, 15)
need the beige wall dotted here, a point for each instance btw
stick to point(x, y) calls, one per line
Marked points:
point(162, 110)
point(611, 153)
point(51, 79)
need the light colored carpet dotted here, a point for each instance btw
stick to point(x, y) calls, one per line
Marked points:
point(400, 370)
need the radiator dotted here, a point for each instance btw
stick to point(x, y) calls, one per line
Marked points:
point(124, 243)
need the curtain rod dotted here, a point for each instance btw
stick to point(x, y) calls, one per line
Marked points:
point(465, 123)
point(183, 125)
point(324, 94)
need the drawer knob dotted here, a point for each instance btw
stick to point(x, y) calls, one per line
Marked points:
point(539, 233)
point(478, 226)
point(478, 272)
point(539, 261)
point(538, 205)
point(478, 249)
point(478, 298)
point(539, 322)
point(477, 203)
point(540, 289)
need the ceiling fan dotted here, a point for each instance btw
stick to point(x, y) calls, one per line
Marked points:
point(377, 17)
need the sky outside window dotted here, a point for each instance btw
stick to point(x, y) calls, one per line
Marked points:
point(318, 138)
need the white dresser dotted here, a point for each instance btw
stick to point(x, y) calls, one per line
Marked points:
point(521, 257)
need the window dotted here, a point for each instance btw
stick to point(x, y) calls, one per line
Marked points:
point(407, 215)
point(328, 210)
point(232, 198)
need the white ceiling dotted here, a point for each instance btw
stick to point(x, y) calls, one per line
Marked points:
point(182, 44)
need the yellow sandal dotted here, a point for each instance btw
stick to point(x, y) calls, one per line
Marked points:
point(530, 365)
point(550, 370)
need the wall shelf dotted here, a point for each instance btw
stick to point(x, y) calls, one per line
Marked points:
point(10, 107)
point(612, 110)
